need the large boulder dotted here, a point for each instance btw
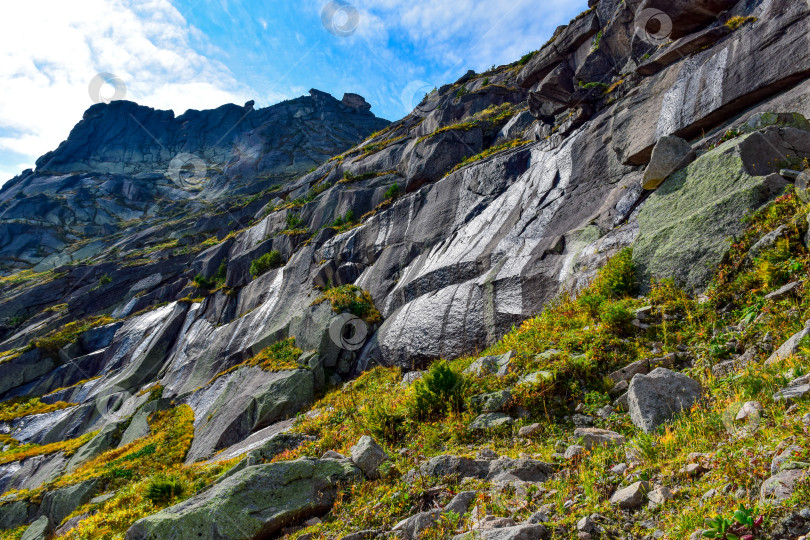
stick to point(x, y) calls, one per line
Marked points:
point(254, 503)
point(782, 485)
point(685, 224)
point(38, 530)
point(368, 455)
point(655, 398)
point(59, 504)
point(700, 92)
point(16, 513)
point(238, 403)
point(630, 497)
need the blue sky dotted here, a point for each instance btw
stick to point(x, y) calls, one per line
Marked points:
point(180, 54)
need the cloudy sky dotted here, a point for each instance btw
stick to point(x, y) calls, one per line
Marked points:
point(182, 54)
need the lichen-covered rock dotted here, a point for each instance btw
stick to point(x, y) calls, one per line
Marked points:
point(234, 405)
point(709, 195)
point(486, 365)
point(655, 398)
point(257, 501)
point(598, 437)
point(490, 421)
point(38, 530)
point(461, 502)
point(792, 393)
point(789, 347)
point(16, 513)
point(411, 528)
point(492, 402)
point(791, 452)
point(59, 504)
point(781, 486)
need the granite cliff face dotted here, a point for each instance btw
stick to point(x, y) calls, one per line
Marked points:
point(497, 193)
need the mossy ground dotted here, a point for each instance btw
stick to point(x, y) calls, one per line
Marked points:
point(19, 407)
point(128, 472)
point(351, 299)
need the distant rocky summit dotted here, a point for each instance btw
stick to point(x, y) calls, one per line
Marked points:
point(124, 162)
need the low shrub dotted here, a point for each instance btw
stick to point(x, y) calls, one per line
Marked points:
point(735, 22)
point(439, 391)
point(386, 421)
point(342, 221)
point(392, 192)
point(19, 407)
point(266, 262)
point(349, 177)
point(618, 277)
point(526, 57)
point(615, 316)
point(163, 489)
point(293, 221)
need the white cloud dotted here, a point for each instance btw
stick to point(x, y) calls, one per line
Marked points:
point(51, 49)
point(463, 33)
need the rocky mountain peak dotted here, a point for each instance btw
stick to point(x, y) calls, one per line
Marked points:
point(356, 101)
